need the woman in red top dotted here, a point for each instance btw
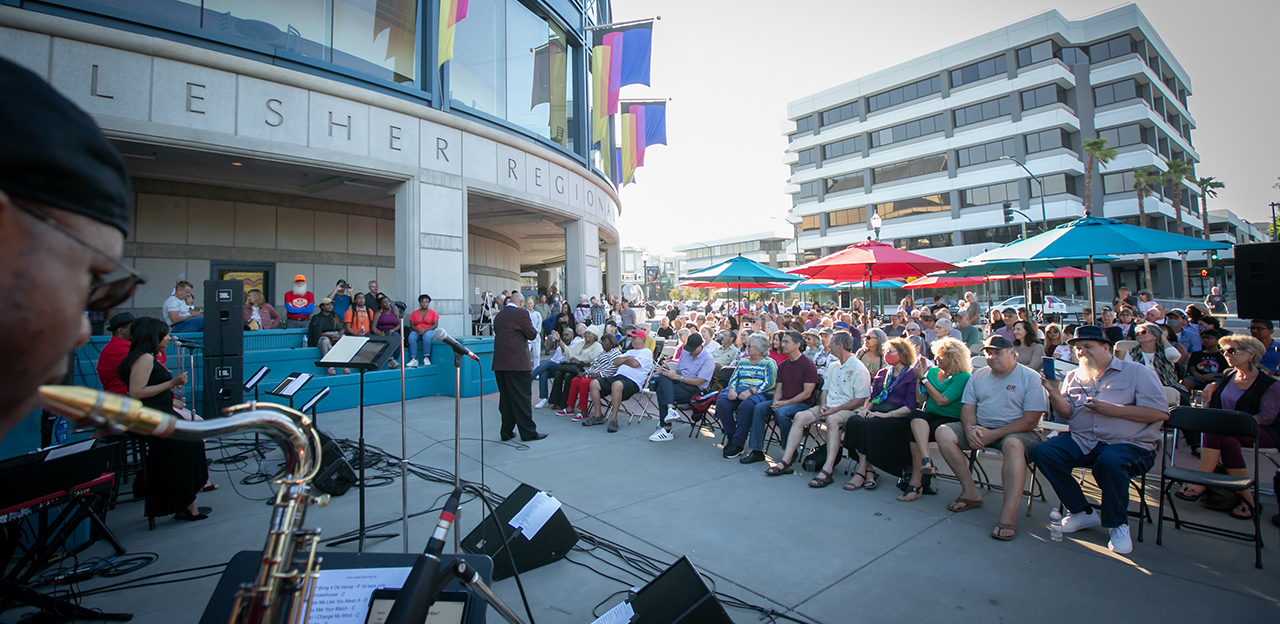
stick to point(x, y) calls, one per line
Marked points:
point(258, 314)
point(422, 325)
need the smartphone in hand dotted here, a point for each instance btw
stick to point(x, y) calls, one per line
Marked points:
point(1048, 367)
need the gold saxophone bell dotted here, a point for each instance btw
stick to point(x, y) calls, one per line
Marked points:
point(283, 586)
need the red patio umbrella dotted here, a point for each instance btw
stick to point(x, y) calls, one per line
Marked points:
point(1063, 273)
point(938, 281)
point(869, 261)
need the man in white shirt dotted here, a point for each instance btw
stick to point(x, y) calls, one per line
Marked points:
point(536, 318)
point(846, 386)
point(179, 315)
point(633, 369)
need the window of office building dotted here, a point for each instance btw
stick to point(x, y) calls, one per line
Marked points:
point(810, 222)
point(978, 71)
point(1072, 56)
point(851, 146)
point(808, 191)
point(983, 111)
point(993, 194)
point(998, 235)
point(924, 242)
point(909, 130)
point(1037, 53)
point(810, 255)
point(913, 91)
point(848, 182)
point(511, 63)
point(840, 113)
point(1047, 140)
point(1119, 46)
point(1117, 92)
point(1122, 136)
point(850, 216)
point(807, 158)
point(1055, 184)
point(1043, 96)
point(915, 205)
point(804, 124)
point(909, 168)
point(1116, 183)
point(986, 152)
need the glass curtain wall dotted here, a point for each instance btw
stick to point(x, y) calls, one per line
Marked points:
point(515, 65)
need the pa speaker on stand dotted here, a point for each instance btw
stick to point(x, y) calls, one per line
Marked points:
point(1257, 264)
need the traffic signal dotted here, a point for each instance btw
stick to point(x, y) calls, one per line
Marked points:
point(1213, 255)
point(1204, 272)
point(1008, 212)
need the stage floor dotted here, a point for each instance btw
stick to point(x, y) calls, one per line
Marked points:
point(826, 556)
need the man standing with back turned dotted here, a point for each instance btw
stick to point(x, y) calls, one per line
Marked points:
point(512, 331)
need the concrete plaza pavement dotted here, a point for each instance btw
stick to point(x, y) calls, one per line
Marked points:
point(826, 556)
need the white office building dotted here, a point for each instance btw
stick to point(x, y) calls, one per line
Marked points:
point(930, 144)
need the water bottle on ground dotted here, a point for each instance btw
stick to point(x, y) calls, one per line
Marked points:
point(1055, 525)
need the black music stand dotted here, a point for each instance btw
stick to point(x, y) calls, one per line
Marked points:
point(290, 386)
point(312, 403)
point(252, 384)
point(365, 353)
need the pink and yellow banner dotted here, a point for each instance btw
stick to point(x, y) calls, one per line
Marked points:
point(451, 12)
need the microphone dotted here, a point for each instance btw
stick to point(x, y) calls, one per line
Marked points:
point(455, 345)
point(187, 343)
point(435, 545)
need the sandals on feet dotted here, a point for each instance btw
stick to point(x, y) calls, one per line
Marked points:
point(780, 468)
point(870, 481)
point(851, 486)
point(1243, 511)
point(964, 504)
point(823, 479)
point(913, 492)
point(1001, 527)
point(926, 467)
point(1187, 494)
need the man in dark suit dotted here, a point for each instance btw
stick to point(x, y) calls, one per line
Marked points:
point(512, 331)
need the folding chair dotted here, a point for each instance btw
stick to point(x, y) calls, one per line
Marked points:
point(1220, 422)
point(697, 412)
point(644, 398)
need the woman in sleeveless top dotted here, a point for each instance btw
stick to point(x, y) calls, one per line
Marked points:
point(176, 469)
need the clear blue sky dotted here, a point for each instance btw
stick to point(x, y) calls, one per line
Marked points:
point(730, 68)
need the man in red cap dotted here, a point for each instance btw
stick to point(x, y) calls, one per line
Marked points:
point(299, 304)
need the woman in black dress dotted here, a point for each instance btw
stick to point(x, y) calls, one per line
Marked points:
point(176, 470)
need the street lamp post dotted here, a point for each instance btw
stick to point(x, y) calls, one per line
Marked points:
point(1044, 222)
point(876, 222)
point(644, 259)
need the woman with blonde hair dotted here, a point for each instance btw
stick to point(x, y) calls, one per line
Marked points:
point(1246, 388)
point(258, 314)
point(941, 388)
point(1155, 352)
point(1055, 346)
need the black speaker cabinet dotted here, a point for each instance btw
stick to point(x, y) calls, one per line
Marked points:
point(1257, 264)
point(224, 317)
point(678, 595)
point(223, 383)
point(336, 475)
point(1037, 292)
point(495, 537)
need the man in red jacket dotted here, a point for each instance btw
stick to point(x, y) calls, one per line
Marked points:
point(300, 304)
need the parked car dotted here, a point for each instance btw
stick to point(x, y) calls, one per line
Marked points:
point(1053, 305)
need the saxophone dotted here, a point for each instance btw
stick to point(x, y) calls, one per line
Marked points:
point(283, 588)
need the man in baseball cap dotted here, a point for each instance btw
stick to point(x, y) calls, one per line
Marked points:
point(692, 374)
point(300, 303)
point(65, 206)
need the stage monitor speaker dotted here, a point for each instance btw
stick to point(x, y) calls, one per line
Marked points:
point(336, 475)
point(1257, 264)
point(1037, 292)
point(224, 317)
point(223, 384)
point(678, 595)
point(844, 299)
point(494, 536)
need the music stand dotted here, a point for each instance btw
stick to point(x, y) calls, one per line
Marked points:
point(365, 353)
point(252, 384)
point(311, 405)
point(290, 386)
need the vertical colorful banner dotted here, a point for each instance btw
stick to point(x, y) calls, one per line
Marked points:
point(451, 12)
point(620, 56)
point(644, 123)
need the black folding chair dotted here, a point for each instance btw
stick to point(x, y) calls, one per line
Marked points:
point(1212, 421)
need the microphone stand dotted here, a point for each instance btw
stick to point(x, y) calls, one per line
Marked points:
point(404, 451)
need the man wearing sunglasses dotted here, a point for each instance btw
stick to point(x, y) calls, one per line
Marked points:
point(64, 213)
point(1261, 329)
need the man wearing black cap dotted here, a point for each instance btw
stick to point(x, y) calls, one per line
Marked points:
point(64, 214)
point(692, 373)
point(1114, 409)
point(114, 352)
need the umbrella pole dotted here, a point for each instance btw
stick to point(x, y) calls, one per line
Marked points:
point(1091, 306)
point(1026, 290)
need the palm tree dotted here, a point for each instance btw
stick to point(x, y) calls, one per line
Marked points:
point(1095, 151)
point(1142, 181)
point(1208, 188)
point(1176, 173)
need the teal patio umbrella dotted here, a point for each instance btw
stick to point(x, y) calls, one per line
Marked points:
point(738, 272)
point(1092, 237)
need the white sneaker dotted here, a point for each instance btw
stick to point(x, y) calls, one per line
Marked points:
point(672, 414)
point(1073, 522)
point(1121, 543)
point(411, 364)
point(661, 435)
point(426, 361)
point(541, 404)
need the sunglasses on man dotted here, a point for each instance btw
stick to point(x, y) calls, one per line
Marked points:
point(103, 296)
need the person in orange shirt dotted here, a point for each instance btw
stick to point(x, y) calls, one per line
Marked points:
point(423, 324)
point(358, 318)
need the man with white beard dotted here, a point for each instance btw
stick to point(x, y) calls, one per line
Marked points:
point(1115, 409)
point(299, 304)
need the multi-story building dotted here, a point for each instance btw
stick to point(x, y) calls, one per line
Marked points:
point(932, 145)
point(775, 248)
point(321, 137)
point(647, 275)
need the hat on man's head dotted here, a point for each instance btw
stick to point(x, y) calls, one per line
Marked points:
point(299, 278)
point(326, 300)
point(812, 331)
point(1175, 312)
point(120, 320)
point(996, 341)
point(842, 325)
point(1089, 332)
point(692, 343)
point(53, 153)
point(637, 333)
